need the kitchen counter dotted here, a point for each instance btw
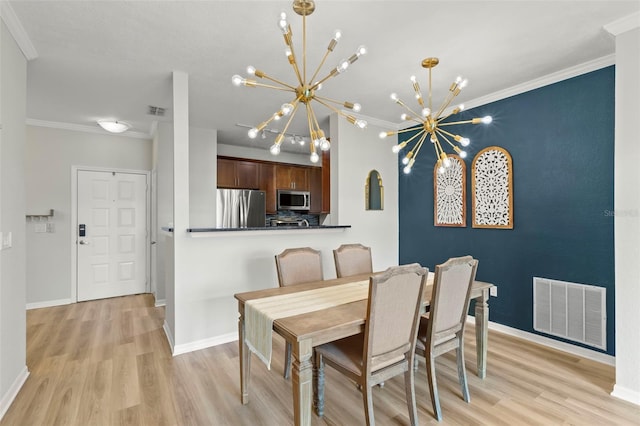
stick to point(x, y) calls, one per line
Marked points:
point(268, 228)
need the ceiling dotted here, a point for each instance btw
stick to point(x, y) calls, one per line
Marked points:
point(113, 59)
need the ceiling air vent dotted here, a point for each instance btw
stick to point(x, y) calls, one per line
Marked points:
point(157, 111)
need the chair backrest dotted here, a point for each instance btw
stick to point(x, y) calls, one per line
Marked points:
point(393, 312)
point(352, 259)
point(450, 297)
point(299, 265)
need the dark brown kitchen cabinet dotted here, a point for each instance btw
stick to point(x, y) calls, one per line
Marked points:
point(267, 175)
point(292, 177)
point(315, 187)
point(237, 174)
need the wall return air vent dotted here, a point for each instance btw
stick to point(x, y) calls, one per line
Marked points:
point(572, 311)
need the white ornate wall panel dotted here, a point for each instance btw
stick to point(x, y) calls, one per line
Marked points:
point(449, 194)
point(492, 189)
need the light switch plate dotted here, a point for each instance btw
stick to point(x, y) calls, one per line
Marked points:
point(493, 291)
point(40, 227)
point(6, 240)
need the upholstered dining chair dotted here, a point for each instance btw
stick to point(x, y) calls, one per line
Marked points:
point(352, 259)
point(297, 266)
point(442, 329)
point(386, 348)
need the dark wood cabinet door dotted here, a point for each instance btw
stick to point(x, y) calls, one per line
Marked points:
point(315, 187)
point(247, 175)
point(267, 180)
point(226, 173)
point(300, 178)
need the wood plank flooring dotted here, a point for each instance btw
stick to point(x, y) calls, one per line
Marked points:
point(107, 362)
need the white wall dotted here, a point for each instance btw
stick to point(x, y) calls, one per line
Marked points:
point(202, 177)
point(627, 219)
point(13, 84)
point(50, 154)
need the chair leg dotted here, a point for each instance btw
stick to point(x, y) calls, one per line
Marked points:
point(287, 361)
point(433, 387)
point(318, 385)
point(367, 398)
point(410, 390)
point(462, 371)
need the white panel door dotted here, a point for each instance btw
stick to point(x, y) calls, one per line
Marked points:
point(112, 206)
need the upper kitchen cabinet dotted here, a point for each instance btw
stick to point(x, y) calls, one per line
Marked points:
point(267, 172)
point(238, 174)
point(292, 177)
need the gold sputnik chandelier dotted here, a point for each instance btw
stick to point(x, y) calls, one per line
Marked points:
point(430, 123)
point(305, 90)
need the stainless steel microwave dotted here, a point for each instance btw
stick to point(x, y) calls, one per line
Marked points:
point(293, 200)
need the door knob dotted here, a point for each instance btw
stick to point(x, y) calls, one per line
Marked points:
point(83, 242)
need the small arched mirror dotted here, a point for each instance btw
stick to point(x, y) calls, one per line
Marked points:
point(374, 192)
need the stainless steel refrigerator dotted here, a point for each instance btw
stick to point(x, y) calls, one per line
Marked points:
point(240, 208)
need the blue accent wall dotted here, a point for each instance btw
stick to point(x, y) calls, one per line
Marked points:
point(561, 140)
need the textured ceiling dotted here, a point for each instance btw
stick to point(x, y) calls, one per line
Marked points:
point(101, 59)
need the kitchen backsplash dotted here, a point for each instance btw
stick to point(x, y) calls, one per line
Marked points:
point(313, 219)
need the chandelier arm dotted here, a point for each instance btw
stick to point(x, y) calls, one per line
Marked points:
point(314, 118)
point(415, 114)
point(293, 113)
point(270, 86)
point(421, 133)
point(451, 123)
point(275, 80)
point(409, 129)
point(331, 107)
point(315, 74)
point(310, 115)
point(304, 49)
point(442, 134)
point(418, 146)
point(445, 104)
point(329, 100)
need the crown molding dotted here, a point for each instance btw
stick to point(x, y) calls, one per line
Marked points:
point(17, 31)
point(85, 129)
point(623, 25)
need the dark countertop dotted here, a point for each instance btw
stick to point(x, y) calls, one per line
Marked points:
point(268, 228)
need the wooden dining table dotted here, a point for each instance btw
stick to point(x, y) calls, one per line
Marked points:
point(308, 330)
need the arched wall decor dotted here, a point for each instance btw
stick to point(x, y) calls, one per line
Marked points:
point(449, 194)
point(374, 192)
point(492, 189)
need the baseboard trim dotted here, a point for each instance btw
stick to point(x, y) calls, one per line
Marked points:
point(205, 343)
point(167, 332)
point(49, 304)
point(160, 302)
point(626, 394)
point(12, 392)
point(551, 343)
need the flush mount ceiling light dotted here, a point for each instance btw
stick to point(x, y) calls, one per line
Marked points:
point(114, 126)
point(305, 89)
point(430, 123)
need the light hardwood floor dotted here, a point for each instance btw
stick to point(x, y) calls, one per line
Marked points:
point(108, 363)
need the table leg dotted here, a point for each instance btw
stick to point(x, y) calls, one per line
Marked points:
point(301, 381)
point(482, 332)
point(245, 362)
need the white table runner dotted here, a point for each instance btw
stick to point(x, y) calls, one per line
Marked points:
point(259, 314)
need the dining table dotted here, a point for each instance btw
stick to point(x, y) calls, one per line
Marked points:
point(310, 329)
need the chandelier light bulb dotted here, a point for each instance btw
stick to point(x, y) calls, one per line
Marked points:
point(314, 157)
point(237, 80)
point(396, 148)
point(441, 170)
point(487, 119)
point(406, 170)
point(383, 135)
point(463, 154)
point(282, 23)
point(276, 116)
point(465, 141)
point(356, 107)
point(361, 50)
point(413, 78)
point(252, 133)
point(342, 66)
point(251, 70)
point(405, 160)
point(446, 162)
point(275, 149)
point(394, 97)
point(301, 142)
point(461, 107)
point(418, 96)
point(337, 35)
point(463, 83)
point(426, 112)
point(324, 144)
point(404, 116)
point(286, 109)
point(361, 124)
